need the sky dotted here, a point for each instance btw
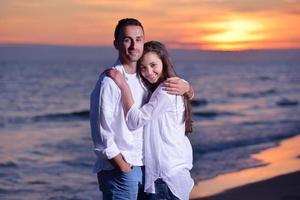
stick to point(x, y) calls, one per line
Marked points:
point(188, 24)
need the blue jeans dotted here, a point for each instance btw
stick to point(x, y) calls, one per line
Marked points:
point(117, 185)
point(163, 192)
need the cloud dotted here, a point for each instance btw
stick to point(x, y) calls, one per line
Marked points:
point(88, 21)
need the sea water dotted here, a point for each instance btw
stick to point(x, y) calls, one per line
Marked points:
point(244, 102)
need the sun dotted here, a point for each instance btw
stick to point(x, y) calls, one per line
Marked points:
point(234, 34)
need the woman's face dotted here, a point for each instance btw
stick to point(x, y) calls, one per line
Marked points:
point(151, 67)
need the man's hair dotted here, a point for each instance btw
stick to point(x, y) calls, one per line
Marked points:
point(126, 22)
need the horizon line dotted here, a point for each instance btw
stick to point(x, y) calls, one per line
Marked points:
point(171, 48)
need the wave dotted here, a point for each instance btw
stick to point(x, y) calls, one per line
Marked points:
point(84, 115)
point(270, 123)
point(79, 164)
point(214, 114)
point(63, 116)
point(51, 117)
point(3, 191)
point(37, 182)
point(198, 102)
point(265, 78)
point(8, 164)
point(246, 142)
point(287, 102)
point(253, 94)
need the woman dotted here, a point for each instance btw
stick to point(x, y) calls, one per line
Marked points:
point(166, 118)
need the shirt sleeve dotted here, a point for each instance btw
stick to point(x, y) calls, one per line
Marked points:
point(103, 101)
point(157, 105)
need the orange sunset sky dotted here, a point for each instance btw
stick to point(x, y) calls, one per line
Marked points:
point(197, 24)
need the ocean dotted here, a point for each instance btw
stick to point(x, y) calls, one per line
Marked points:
point(244, 102)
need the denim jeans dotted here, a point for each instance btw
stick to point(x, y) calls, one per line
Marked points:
point(163, 192)
point(117, 185)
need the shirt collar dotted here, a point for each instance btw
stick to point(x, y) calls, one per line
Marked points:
point(119, 66)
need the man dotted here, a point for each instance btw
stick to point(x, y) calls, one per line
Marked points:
point(119, 164)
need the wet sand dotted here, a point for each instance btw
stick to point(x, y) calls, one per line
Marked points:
point(285, 187)
point(278, 179)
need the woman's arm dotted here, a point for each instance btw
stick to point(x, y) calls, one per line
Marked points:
point(159, 102)
point(157, 105)
point(126, 94)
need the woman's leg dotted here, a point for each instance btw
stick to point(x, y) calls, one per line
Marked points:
point(163, 192)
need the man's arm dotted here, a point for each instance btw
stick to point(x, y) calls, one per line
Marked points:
point(178, 86)
point(103, 101)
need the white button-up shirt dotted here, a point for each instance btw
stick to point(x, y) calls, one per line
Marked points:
point(108, 127)
point(168, 152)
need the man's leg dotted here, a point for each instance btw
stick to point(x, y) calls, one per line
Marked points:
point(117, 185)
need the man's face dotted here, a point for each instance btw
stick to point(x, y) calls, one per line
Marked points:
point(130, 43)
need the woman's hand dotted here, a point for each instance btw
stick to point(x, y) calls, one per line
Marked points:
point(116, 76)
point(119, 79)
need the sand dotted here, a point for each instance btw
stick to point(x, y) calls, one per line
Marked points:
point(278, 179)
point(284, 187)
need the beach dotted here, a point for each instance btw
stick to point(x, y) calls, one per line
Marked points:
point(284, 187)
point(245, 116)
point(278, 179)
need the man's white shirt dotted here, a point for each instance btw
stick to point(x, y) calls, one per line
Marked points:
point(109, 129)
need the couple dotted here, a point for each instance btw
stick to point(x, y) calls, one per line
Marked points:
point(135, 122)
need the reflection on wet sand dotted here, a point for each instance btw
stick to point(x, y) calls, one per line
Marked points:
point(279, 160)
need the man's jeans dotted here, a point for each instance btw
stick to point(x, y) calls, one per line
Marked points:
point(117, 185)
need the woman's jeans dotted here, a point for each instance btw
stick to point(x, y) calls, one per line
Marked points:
point(163, 192)
point(117, 185)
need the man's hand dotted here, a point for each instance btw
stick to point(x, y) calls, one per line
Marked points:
point(125, 167)
point(120, 163)
point(178, 86)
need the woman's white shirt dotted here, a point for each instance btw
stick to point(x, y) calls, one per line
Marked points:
point(167, 150)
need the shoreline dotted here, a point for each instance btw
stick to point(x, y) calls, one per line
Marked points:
point(281, 161)
point(283, 187)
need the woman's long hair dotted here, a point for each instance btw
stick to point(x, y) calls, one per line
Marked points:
point(168, 72)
